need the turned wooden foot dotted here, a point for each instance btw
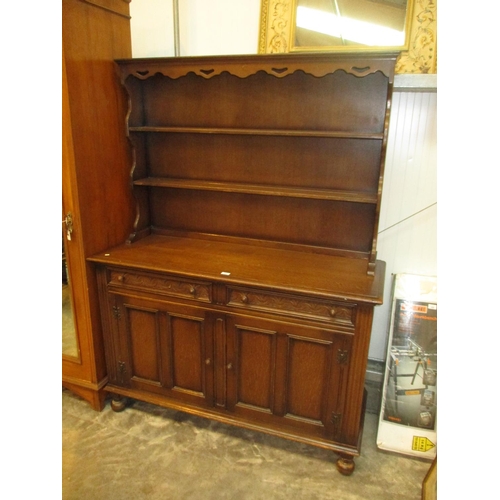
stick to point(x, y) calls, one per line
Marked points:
point(118, 403)
point(345, 465)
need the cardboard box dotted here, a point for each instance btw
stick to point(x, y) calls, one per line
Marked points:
point(408, 416)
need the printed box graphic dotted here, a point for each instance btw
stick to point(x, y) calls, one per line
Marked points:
point(409, 404)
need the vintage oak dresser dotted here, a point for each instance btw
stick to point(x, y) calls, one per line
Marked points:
point(246, 290)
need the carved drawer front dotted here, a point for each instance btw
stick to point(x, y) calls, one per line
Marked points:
point(316, 309)
point(163, 285)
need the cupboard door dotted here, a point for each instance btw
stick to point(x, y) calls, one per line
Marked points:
point(251, 363)
point(163, 348)
point(315, 381)
point(291, 376)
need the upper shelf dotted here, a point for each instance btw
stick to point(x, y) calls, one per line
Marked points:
point(255, 131)
point(259, 189)
point(279, 149)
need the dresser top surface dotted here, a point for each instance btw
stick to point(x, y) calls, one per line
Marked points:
point(275, 269)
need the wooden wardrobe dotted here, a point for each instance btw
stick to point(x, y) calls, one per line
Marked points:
point(96, 198)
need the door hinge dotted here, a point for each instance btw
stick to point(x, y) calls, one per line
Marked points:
point(122, 370)
point(116, 312)
point(342, 356)
point(336, 418)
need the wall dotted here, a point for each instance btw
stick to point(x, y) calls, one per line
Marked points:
point(408, 227)
point(152, 28)
point(205, 28)
point(408, 217)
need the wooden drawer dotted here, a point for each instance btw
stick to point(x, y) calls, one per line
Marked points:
point(160, 284)
point(315, 309)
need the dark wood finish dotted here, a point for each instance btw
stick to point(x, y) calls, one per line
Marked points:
point(256, 123)
point(95, 184)
point(345, 465)
point(245, 292)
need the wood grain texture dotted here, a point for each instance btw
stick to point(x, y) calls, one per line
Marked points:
point(95, 184)
point(313, 274)
point(251, 279)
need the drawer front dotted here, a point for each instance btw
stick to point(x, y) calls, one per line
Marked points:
point(315, 309)
point(159, 284)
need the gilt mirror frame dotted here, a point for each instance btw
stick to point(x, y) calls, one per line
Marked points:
point(417, 55)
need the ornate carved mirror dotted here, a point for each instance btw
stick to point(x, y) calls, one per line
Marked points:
point(407, 26)
point(349, 24)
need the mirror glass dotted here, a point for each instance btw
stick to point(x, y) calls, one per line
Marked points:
point(349, 23)
point(69, 339)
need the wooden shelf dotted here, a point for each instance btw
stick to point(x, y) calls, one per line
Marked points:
point(259, 189)
point(295, 159)
point(253, 132)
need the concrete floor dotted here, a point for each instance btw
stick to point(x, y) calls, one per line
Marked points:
point(148, 452)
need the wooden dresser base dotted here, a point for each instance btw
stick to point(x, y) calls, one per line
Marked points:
point(345, 464)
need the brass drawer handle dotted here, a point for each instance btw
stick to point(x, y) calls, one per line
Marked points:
point(244, 299)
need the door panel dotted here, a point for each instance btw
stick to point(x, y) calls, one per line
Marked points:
point(187, 351)
point(163, 348)
point(316, 381)
point(287, 375)
point(308, 367)
point(143, 340)
point(256, 353)
point(316, 377)
point(251, 369)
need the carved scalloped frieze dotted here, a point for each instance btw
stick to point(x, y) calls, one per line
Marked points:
point(293, 306)
point(280, 67)
point(162, 285)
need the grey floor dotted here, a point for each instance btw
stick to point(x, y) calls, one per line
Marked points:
point(148, 452)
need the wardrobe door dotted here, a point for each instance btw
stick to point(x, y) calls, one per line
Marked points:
point(97, 206)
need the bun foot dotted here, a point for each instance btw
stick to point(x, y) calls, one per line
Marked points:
point(118, 403)
point(345, 465)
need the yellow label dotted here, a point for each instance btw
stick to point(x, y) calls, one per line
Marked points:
point(422, 444)
point(412, 393)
